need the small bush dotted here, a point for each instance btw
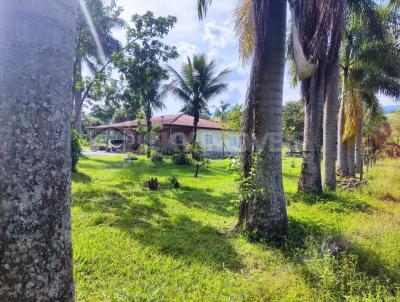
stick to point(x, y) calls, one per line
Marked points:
point(143, 149)
point(153, 184)
point(174, 181)
point(156, 157)
point(195, 151)
point(180, 158)
point(76, 149)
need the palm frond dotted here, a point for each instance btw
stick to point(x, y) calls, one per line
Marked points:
point(352, 110)
point(244, 29)
point(202, 8)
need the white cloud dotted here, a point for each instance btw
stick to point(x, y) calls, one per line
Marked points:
point(218, 36)
point(186, 49)
point(214, 36)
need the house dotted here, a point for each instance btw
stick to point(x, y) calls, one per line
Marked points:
point(173, 132)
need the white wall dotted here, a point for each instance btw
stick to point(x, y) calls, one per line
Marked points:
point(231, 140)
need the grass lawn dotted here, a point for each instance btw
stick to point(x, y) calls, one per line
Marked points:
point(132, 244)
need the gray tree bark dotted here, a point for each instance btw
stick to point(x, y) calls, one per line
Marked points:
point(310, 177)
point(36, 58)
point(343, 161)
point(351, 157)
point(266, 213)
point(331, 131)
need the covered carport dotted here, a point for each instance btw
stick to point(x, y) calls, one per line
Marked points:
point(124, 132)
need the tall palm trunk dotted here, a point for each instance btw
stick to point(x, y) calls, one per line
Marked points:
point(320, 28)
point(196, 118)
point(314, 97)
point(331, 130)
point(36, 62)
point(351, 156)
point(359, 149)
point(343, 160)
point(265, 214)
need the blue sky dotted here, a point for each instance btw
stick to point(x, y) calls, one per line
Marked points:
point(212, 36)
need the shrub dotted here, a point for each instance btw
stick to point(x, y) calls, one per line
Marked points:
point(195, 151)
point(180, 158)
point(174, 181)
point(76, 149)
point(143, 149)
point(153, 184)
point(156, 157)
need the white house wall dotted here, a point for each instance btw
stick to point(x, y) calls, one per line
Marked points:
point(231, 140)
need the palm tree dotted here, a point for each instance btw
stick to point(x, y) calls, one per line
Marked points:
point(365, 11)
point(197, 85)
point(36, 59)
point(318, 29)
point(221, 111)
point(261, 29)
point(370, 63)
point(330, 129)
point(153, 102)
point(104, 18)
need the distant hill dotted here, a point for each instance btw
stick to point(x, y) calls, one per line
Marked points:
point(390, 108)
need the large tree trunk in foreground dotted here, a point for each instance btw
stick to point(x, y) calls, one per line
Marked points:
point(265, 214)
point(343, 160)
point(36, 62)
point(314, 97)
point(331, 130)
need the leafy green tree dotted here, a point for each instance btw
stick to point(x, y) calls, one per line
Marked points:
point(234, 117)
point(221, 111)
point(89, 121)
point(96, 21)
point(120, 115)
point(103, 113)
point(197, 85)
point(140, 65)
point(293, 122)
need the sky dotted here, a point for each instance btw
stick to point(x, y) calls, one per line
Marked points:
point(213, 36)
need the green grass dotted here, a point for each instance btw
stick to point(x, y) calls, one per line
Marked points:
point(132, 244)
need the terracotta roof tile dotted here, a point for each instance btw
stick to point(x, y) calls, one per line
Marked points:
point(165, 120)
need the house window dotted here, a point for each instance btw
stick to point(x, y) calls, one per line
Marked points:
point(179, 140)
point(233, 141)
point(209, 139)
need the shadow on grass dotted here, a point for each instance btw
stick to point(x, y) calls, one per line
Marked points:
point(80, 177)
point(203, 199)
point(148, 223)
point(332, 202)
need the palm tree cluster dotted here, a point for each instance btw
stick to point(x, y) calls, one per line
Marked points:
point(344, 53)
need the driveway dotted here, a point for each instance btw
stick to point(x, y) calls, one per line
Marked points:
point(93, 153)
